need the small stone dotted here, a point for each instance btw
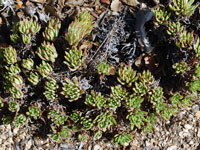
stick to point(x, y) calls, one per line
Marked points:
point(198, 133)
point(197, 114)
point(97, 147)
point(64, 146)
point(3, 137)
point(181, 114)
point(28, 144)
point(173, 147)
point(195, 108)
point(191, 116)
point(187, 126)
point(10, 140)
point(147, 143)
point(191, 142)
point(15, 131)
point(184, 133)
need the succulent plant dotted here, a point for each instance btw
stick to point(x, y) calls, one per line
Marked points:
point(146, 77)
point(78, 29)
point(13, 106)
point(72, 89)
point(33, 111)
point(123, 139)
point(90, 99)
point(141, 88)
point(16, 81)
point(161, 16)
point(104, 68)
point(105, 120)
point(126, 75)
point(24, 26)
point(183, 7)
point(157, 99)
point(176, 99)
point(181, 67)
point(27, 26)
point(117, 95)
point(47, 52)
point(52, 30)
point(197, 71)
point(16, 93)
point(57, 117)
point(14, 37)
point(19, 120)
point(1, 102)
point(10, 55)
point(13, 69)
point(51, 88)
point(74, 58)
point(44, 69)
point(197, 47)
point(83, 137)
point(168, 112)
point(51, 85)
point(118, 92)
point(55, 136)
point(186, 40)
point(26, 38)
point(136, 118)
point(134, 101)
point(50, 95)
point(95, 100)
point(27, 63)
point(174, 28)
point(137, 99)
point(113, 103)
point(186, 101)
point(87, 122)
point(65, 132)
point(151, 119)
point(25, 29)
point(97, 135)
point(76, 116)
point(34, 78)
point(194, 86)
point(34, 27)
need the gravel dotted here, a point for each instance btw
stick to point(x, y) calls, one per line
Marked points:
point(181, 132)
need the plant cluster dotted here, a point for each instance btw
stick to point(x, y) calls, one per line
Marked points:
point(50, 89)
point(78, 29)
point(52, 30)
point(25, 30)
point(180, 67)
point(38, 91)
point(183, 7)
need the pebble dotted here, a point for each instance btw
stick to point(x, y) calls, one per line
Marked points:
point(197, 114)
point(198, 133)
point(187, 126)
point(195, 108)
point(191, 142)
point(173, 147)
point(3, 137)
point(181, 114)
point(96, 147)
point(148, 143)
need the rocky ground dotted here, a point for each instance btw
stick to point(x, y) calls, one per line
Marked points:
point(182, 132)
